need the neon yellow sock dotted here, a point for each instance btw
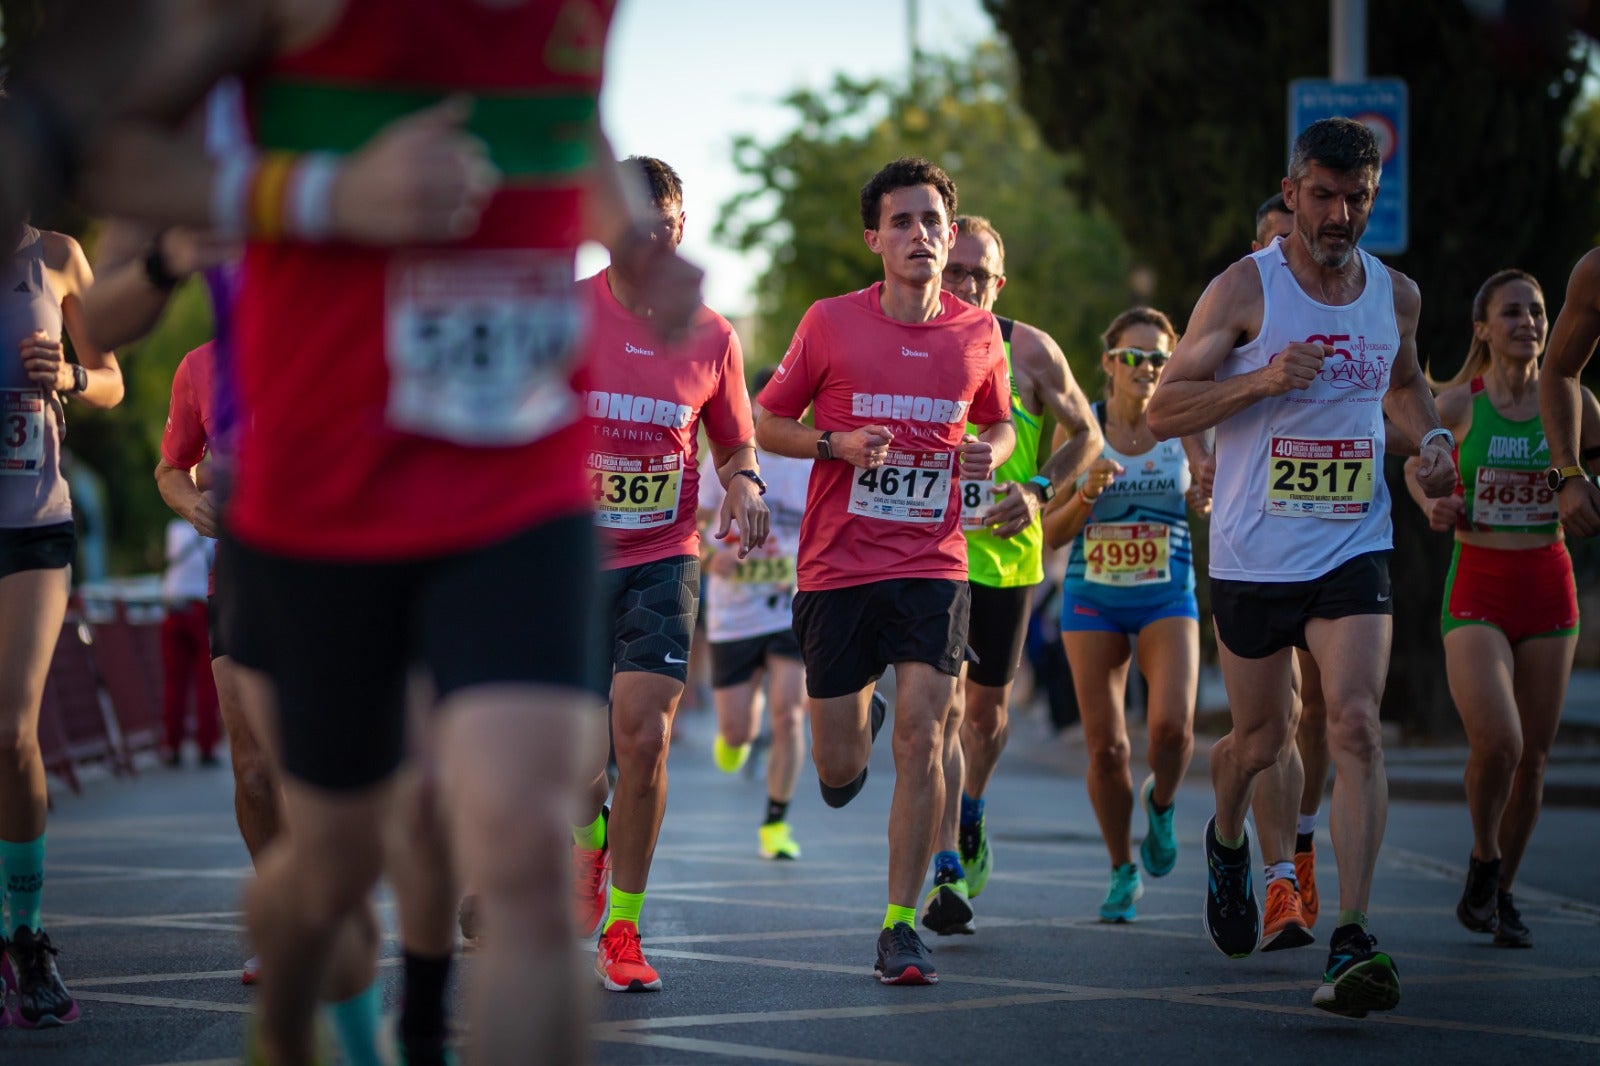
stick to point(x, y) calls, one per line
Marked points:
point(591, 837)
point(625, 907)
point(908, 915)
point(1353, 918)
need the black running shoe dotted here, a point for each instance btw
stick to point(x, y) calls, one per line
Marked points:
point(42, 1000)
point(1478, 906)
point(1359, 978)
point(903, 959)
point(947, 910)
point(838, 797)
point(1233, 919)
point(1509, 931)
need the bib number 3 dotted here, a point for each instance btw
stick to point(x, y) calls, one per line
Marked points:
point(481, 345)
point(22, 414)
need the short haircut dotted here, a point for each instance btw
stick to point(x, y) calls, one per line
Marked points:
point(1272, 205)
point(662, 181)
point(1341, 145)
point(978, 226)
point(904, 173)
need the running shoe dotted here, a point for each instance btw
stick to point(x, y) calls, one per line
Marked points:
point(1159, 849)
point(417, 1051)
point(1509, 931)
point(620, 961)
point(976, 858)
point(42, 1000)
point(729, 759)
point(251, 972)
point(1126, 889)
point(1232, 918)
point(591, 880)
point(903, 959)
point(1359, 978)
point(1479, 903)
point(777, 842)
point(878, 708)
point(947, 910)
point(1285, 924)
point(1305, 872)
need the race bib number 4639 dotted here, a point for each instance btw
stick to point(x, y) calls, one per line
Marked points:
point(1513, 498)
point(1320, 478)
point(481, 345)
point(908, 487)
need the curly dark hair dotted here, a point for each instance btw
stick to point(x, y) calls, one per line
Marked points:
point(665, 186)
point(904, 173)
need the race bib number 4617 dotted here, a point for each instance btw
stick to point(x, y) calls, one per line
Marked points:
point(1320, 478)
point(908, 487)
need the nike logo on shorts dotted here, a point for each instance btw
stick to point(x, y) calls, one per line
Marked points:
point(675, 662)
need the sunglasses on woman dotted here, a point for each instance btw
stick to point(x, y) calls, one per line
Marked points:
point(1135, 356)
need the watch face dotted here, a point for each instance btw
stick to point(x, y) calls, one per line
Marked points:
point(1554, 479)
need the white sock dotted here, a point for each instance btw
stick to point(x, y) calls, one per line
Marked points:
point(1306, 823)
point(1277, 871)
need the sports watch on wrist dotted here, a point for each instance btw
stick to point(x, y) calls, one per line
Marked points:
point(1558, 476)
point(753, 476)
point(80, 378)
point(825, 445)
point(1047, 491)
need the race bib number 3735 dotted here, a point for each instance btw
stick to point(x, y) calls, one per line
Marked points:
point(481, 345)
point(1320, 478)
point(908, 487)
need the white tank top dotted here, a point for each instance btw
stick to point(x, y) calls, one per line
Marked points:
point(1299, 487)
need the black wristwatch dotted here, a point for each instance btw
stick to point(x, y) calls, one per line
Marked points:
point(1556, 477)
point(80, 378)
point(753, 476)
point(825, 446)
point(1047, 491)
point(156, 270)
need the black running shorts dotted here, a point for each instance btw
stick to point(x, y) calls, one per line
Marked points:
point(1255, 619)
point(37, 548)
point(995, 633)
point(651, 609)
point(849, 636)
point(338, 639)
point(733, 662)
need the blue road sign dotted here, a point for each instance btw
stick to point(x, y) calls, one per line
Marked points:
point(1380, 105)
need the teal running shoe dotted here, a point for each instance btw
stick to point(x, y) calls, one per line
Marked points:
point(1126, 889)
point(1159, 849)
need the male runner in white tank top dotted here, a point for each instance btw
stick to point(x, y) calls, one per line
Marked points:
point(1290, 354)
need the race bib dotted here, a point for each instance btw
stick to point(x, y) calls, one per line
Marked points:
point(22, 415)
point(481, 345)
point(774, 570)
point(1126, 554)
point(635, 491)
point(1320, 478)
point(1513, 498)
point(908, 487)
point(976, 498)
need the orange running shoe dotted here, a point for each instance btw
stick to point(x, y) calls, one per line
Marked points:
point(591, 883)
point(1284, 927)
point(620, 962)
point(1305, 872)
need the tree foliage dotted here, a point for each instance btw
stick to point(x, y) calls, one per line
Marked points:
point(1180, 109)
point(1066, 267)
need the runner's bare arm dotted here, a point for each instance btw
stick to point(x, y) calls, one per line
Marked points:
point(741, 501)
point(124, 303)
point(1188, 398)
point(1572, 343)
point(792, 437)
point(1409, 401)
point(978, 456)
point(1455, 414)
point(180, 493)
point(70, 273)
point(1589, 431)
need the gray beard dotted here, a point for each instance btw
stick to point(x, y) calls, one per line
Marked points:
point(1327, 260)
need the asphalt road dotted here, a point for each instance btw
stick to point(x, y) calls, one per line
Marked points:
point(771, 962)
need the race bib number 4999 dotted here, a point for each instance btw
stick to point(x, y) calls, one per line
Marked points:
point(481, 345)
point(908, 487)
point(1320, 478)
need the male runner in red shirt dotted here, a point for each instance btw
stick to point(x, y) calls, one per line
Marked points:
point(894, 373)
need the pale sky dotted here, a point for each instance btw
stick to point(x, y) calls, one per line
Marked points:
point(683, 77)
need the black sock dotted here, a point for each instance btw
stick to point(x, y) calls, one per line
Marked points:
point(777, 810)
point(1302, 842)
point(422, 1009)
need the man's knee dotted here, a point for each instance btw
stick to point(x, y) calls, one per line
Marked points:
point(1353, 730)
point(1168, 737)
point(1260, 748)
point(641, 741)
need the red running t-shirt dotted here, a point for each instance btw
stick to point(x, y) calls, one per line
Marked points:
point(645, 400)
point(924, 381)
point(190, 430)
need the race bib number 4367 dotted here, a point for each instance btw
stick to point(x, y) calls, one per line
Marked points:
point(1320, 478)
point(635, 491)
point(908, 487)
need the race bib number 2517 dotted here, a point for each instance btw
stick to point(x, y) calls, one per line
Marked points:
point(1320, 478)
